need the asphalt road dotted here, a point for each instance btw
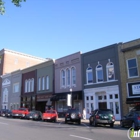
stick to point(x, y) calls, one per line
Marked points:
point(17, 129)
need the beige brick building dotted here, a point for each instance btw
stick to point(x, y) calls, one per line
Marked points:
point(129, 58)
point(12, 61)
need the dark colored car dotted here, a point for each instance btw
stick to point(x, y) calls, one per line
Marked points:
point(132, 119)
point(3, 112)
point(8, 114)
point(102, 116)
point(34, 115)
point(73, 115)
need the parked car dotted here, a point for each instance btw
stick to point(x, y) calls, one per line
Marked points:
point(20, 113)
point(102, 116)
point(73, 115)
point(50, 115)
point(3, 112)
point(8, 114)
point(132, 119)
point(34, 115)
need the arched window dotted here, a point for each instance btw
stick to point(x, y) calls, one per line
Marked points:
point(32, 85)
point(110, 71)
point(73, 75)
point(26, 85)
point(39, 84)
point(99, 73)
point(47, 82)
point(89, 74)
point(68, 76)
point(43, 83)
point(29, 85)
point(63, 78)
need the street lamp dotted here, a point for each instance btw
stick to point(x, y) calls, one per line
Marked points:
point(71, 96)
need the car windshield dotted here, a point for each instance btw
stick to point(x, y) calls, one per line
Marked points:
point(73, 110)
point(50, 111)
point(22, 109)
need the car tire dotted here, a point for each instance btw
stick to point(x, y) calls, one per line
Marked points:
point(134, 126)
point(94, 123)
point(112, 125)
point(79, 121)
point(90, 122)
point(121, 124)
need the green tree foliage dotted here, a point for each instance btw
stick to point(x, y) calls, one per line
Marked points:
point(15, 2)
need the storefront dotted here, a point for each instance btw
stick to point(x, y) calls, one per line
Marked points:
point(60, 100)
point(133, 94)
point(103, 97)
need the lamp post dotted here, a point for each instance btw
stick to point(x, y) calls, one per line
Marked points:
point(71, 96)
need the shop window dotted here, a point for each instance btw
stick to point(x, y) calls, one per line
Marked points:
point(110, 96)
point(117, 107)
point(91, 97)
point(99, 97)
point(111, 106)
point(116, 96)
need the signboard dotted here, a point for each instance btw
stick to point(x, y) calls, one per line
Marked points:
point(68, 99)
point(136, 89)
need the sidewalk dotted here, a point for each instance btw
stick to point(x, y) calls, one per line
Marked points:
point(117, 123)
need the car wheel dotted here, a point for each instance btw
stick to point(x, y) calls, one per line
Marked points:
point(134, 126)
point(94, 123)
point(79, 121)
point(121, 124)
point(90, 122)
point(112, 125)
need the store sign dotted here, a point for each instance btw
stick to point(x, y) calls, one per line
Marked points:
point(136, 89)
point(69, 100)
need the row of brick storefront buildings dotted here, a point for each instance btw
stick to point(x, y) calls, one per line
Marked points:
point(108, 77)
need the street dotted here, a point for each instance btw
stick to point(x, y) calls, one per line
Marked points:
point(20, 129)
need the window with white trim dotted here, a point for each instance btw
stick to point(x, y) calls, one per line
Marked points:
point(68, 76)
point(29, 85)
point(99, 73)
point(15, 87)
point(39, 84)
point(63, 78)
point(132, 67)
point(47, 82)
point(73, 75)
point(43, 83)
point(110, 71)
point(89, 74)
point(32, 85)
point(26, 85)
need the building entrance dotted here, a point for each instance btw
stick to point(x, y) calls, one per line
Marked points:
point(102, 105)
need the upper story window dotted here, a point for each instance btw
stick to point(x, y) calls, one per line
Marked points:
point(99, 73)
point(26, 84)
point(132, 67)
point(43, 83)
point(15, 87)
point(73, 75)
point(32, 85)
point(29, 85)
point(68, 76)
point(89, 74)
point(62, 78)
point(39, 83)
point(110, 71)
point(47, 82)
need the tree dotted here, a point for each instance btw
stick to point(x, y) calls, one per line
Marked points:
point(15, 2)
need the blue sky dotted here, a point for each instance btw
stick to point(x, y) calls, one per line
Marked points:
point(57, 28)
